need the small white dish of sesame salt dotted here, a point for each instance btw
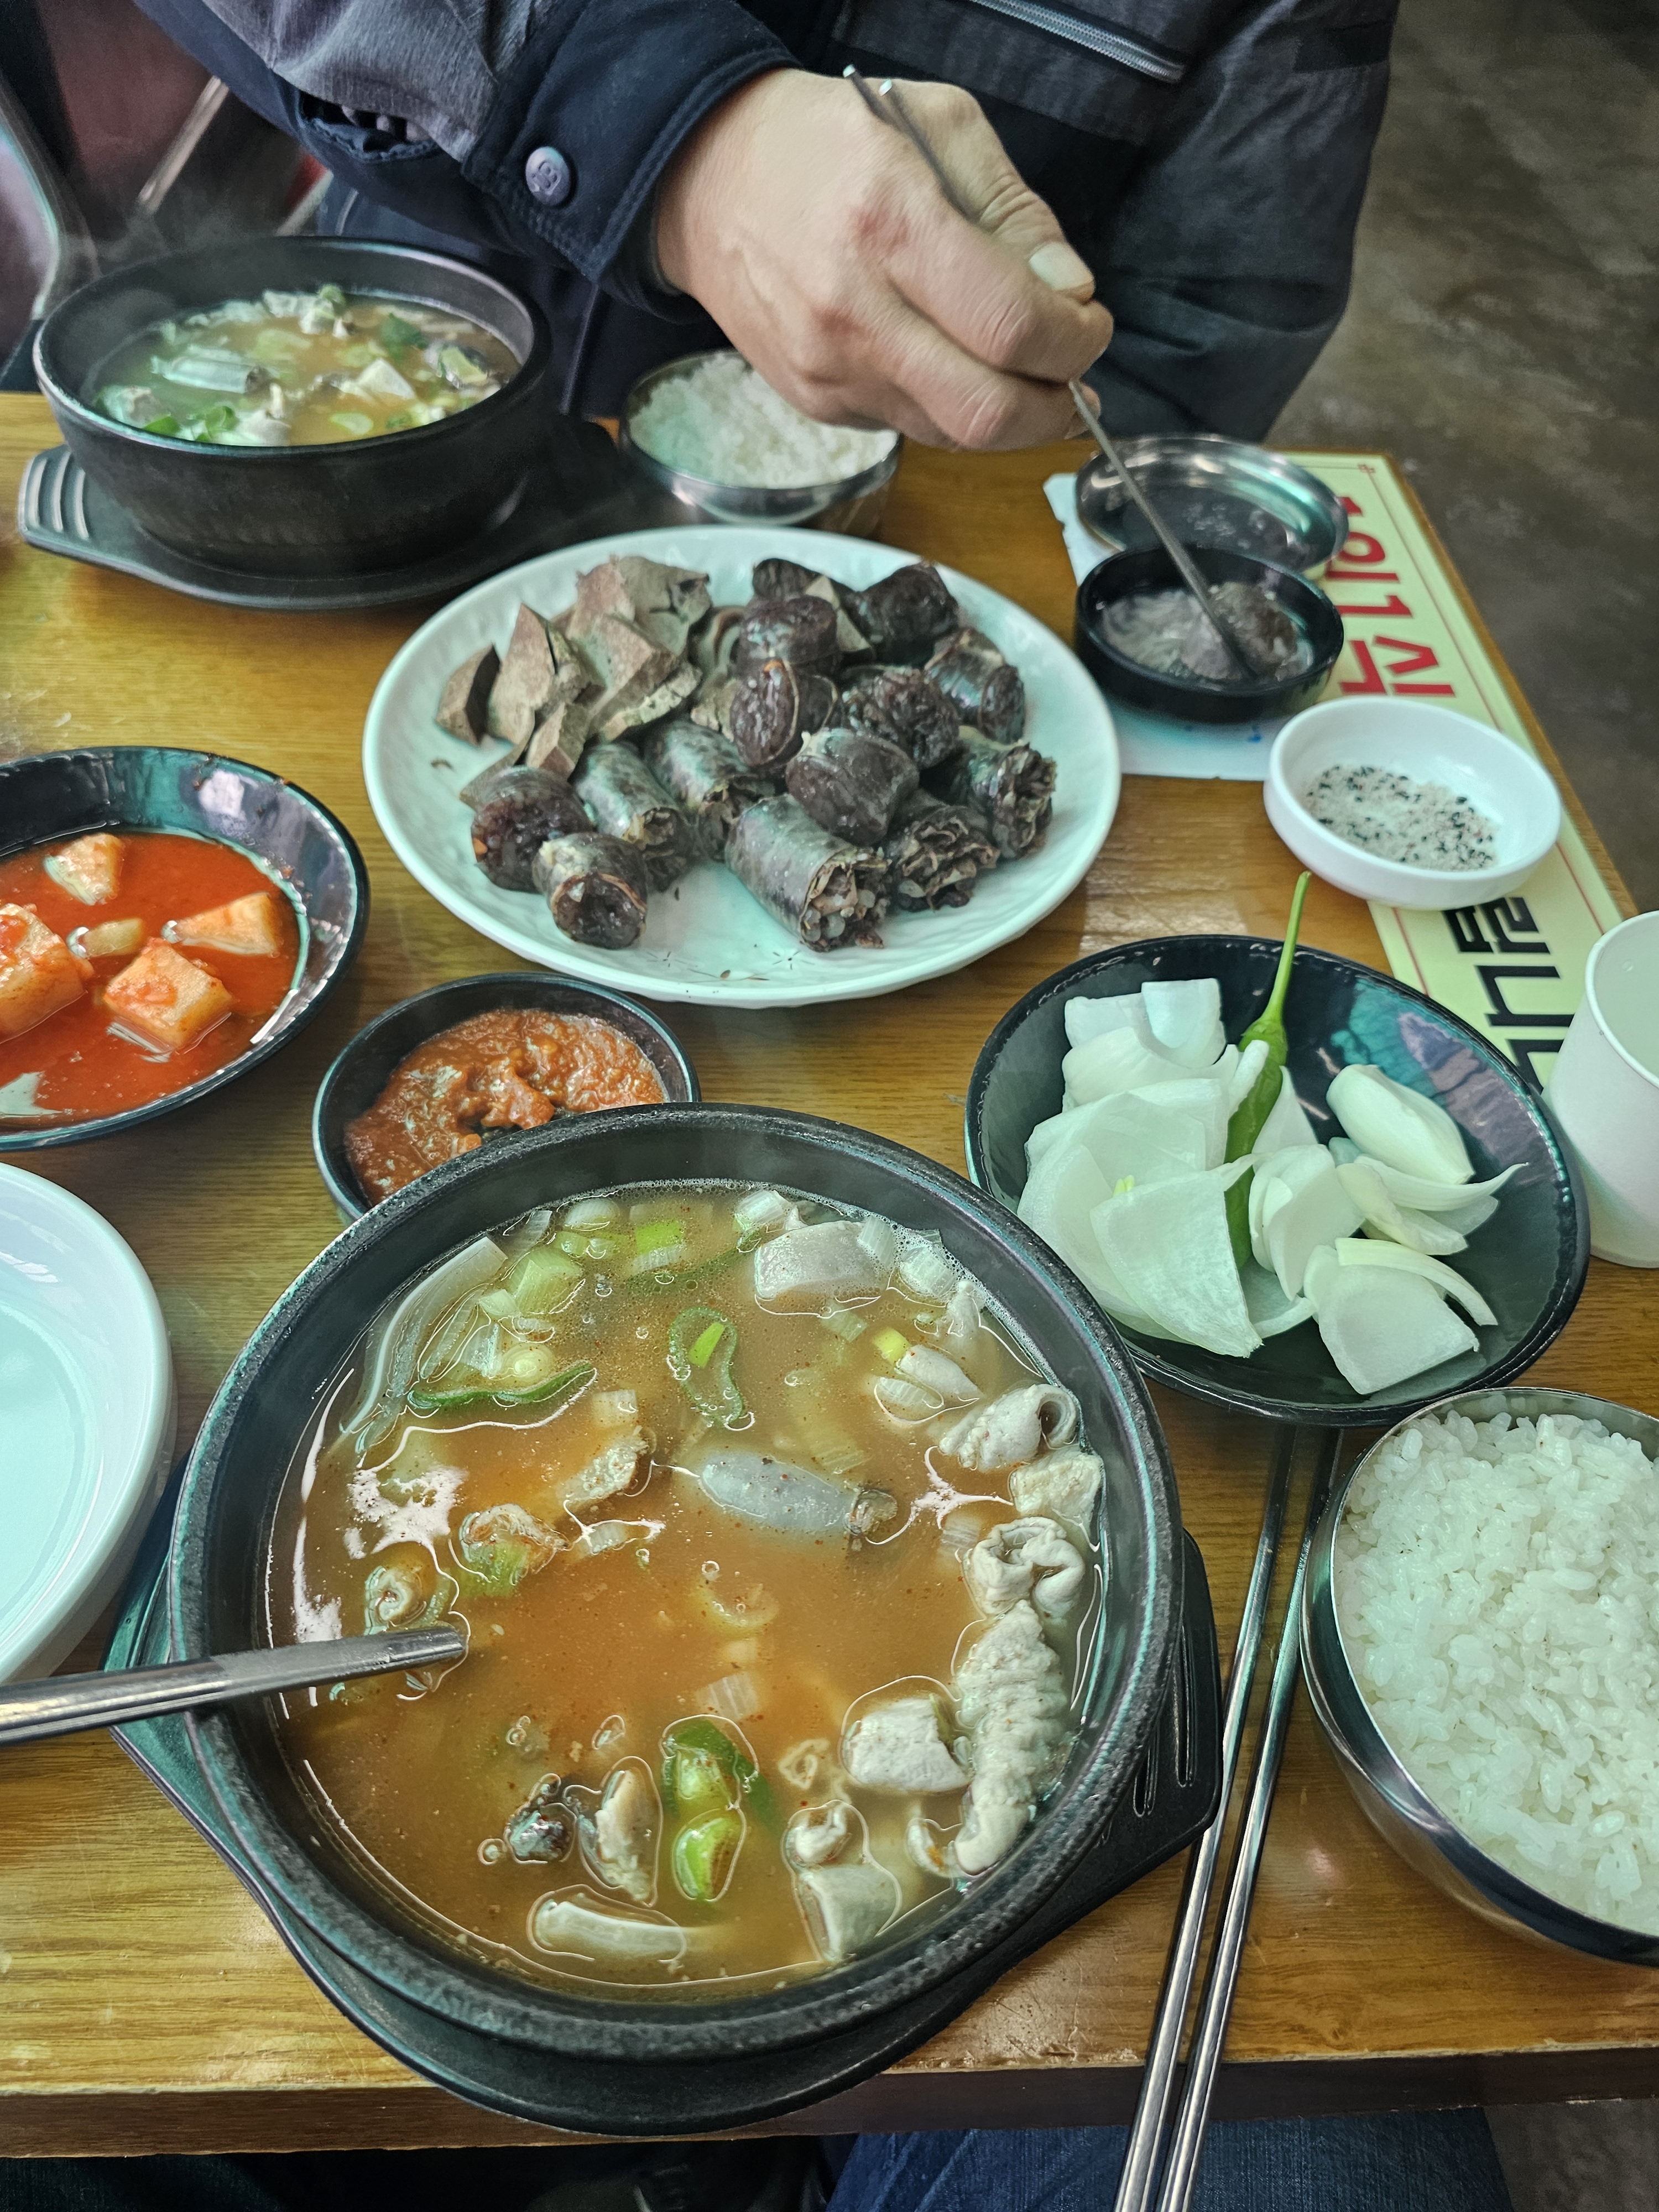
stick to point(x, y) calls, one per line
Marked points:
point(1409, 805)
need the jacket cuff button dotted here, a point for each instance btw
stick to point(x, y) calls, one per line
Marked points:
point(549, 177)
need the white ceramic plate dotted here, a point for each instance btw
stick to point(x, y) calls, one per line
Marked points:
point(85, 1418)
point(706, 940)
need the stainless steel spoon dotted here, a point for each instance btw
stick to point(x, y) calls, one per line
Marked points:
point(888, 103)
point(64, 1703)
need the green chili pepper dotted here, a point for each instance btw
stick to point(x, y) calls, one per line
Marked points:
point(701, 1345)
point(679, 1279)
point(398, 1596)
point(707, 1739)
point(1250, 1115)
point(572, 1379)
point(705, 1854)
point(502, 1544)
point(659, 1236)
point(693, 1780)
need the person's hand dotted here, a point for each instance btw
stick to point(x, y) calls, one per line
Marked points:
point(819, 240)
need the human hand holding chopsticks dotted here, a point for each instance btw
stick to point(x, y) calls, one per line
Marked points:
point(820, 242)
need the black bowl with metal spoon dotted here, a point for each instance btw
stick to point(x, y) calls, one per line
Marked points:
point(64, 1704)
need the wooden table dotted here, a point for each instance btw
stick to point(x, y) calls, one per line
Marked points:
point(145, 2002)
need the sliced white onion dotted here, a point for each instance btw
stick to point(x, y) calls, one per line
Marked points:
point(1398, 1126)
point(1357, 1252)
point(1382, 1328)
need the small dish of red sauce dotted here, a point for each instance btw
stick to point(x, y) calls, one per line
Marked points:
point(182, 949)
point(511, 1068)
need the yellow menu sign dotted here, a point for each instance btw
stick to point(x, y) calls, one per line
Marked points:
point(1513, 969)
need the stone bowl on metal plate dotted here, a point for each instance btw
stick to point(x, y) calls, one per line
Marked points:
point(1528, 1261)
point(1396, 1805)
point(370, 504)
point(625, 2064)
point(45, 797)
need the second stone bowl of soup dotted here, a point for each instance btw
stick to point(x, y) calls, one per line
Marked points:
point(726, 1677)
point(367, 504)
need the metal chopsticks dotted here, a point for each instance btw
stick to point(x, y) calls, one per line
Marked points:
point(1210, 2030)
point(1140, 2174)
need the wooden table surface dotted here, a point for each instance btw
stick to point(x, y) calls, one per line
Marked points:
point(145, 2002)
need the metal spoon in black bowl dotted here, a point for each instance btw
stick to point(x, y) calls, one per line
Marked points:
point(887, 103)
point(63, 1704)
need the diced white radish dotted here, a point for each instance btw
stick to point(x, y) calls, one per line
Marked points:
point(1383, 1218)
point(1381, 1328)
point(1398, 1126)
point(1117, 1060)
point(1357, 1252)
point(1246, 1072)
point(1061, 1193)
point(1185, 1018)
point(1318, 1210)
point(1126, 1136)
point(1287, 1124)
point(1088, 1018)
point(1425, 1197)
point(1167, 1246)
point(1271, 1312)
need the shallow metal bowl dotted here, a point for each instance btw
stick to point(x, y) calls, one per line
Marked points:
point(1397, 1806)
point(1218, 492)
point(853, 505)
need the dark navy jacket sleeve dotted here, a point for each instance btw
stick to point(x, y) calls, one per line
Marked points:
point(615, 88)
point(1226, 263)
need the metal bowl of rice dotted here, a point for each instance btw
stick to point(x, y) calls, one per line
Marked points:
point(709, 432)
point(1492, 1588)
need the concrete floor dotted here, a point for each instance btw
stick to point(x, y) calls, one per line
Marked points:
point(1501, 343)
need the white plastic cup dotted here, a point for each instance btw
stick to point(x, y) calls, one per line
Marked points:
point(1604, 1092)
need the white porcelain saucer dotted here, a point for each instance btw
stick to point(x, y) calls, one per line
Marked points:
point(86, 1417)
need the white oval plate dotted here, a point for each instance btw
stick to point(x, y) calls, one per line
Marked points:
point(85, 1418)
point(706, 941)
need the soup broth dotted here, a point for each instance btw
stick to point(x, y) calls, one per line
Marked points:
point(301, 368)
point(769, 1543)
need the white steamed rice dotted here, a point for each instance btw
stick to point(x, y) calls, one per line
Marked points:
point(725, 423)
point(1497, 1586)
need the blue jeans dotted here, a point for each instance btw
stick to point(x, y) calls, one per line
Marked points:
point(1396, 2162)
point(1409, 2162)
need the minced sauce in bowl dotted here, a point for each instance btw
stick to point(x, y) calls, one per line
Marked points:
point(514, 1068)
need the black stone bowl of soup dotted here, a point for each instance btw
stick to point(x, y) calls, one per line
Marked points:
point(355, 503)
point(1186, 696)
point(437, 1845)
